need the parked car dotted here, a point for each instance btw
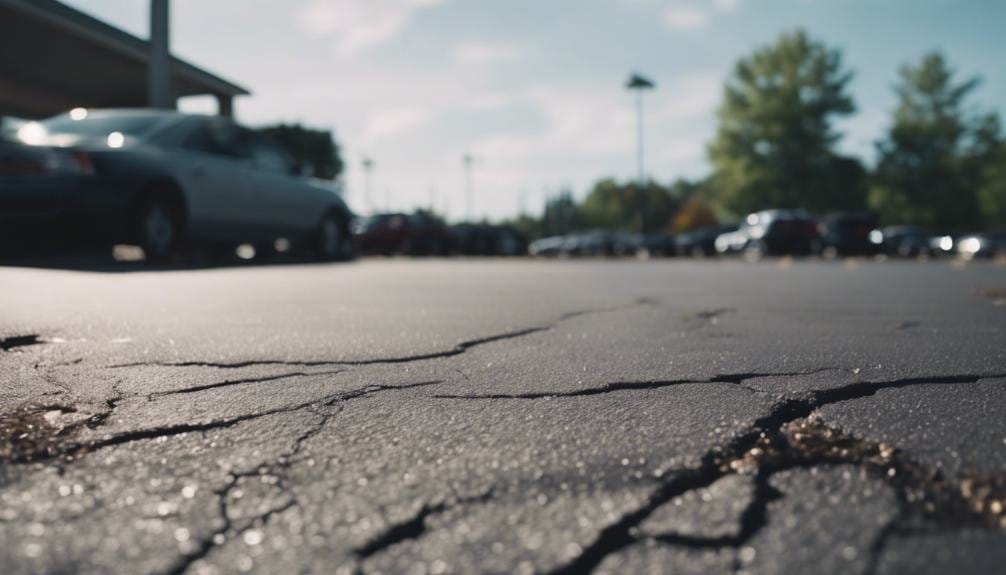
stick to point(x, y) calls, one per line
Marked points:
point(163, 181)
point(943, 244)
point(847, 234)
point(547, 247)
point(731, 242)
point(487, 240)
point(9, 127)
point(902, 241)
point(600, 243)
point(416, 234)
point(773, 232)
point(987, 245)
point(658, 245)
point(701, 242)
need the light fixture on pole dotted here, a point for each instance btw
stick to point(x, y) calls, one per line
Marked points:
point(639, 84)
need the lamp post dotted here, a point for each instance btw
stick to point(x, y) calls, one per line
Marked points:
point(638, 84)
point(467, 160)
point(368, 167)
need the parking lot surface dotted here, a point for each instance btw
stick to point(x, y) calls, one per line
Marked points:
point(434, 416)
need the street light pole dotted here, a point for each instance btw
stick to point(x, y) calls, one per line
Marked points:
point(467, 160)
point(368, 167)
point(638, 84)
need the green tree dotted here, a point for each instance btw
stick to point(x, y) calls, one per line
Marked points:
point(561, 215)
point(315, 150)
point(774, 146)
point(992, 193)
point(933, 159)
point(694, 214)
point(614, 206)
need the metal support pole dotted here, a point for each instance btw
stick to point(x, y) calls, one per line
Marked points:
point(467, 161)
point(639, 136)
point(159, 90)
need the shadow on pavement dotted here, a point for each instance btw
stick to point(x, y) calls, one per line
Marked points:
point(108, 263)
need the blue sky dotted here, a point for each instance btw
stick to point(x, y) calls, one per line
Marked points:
point(533, 88)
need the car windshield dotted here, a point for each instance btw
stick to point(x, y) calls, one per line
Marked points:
point(130, 125)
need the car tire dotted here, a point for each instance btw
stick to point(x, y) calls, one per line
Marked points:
point(159, 229)
point(329, 240)
point(755, 251)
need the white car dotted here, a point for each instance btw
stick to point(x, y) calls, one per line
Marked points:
point(164, 181)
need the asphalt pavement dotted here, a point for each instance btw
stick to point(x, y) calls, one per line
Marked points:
point(462, 416)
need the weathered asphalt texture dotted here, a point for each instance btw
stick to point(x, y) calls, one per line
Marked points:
point(505, 416)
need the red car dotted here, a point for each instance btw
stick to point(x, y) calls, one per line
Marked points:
point(401, 234)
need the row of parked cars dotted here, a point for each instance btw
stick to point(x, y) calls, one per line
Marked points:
point(420, 234)
point(782, 232)
point(171, 182)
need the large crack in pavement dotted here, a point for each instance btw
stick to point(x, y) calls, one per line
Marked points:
point(611, 387)
point(790, 437)
point(227, 531)
point(415, 526)
point(244, 381)
point(458, 349)
point(43, 441)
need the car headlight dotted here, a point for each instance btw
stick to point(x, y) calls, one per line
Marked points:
point(876, 237)
point(971, 245)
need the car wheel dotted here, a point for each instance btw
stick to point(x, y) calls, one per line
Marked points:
point(755, 251)
point(159, 231)
point(329, 239)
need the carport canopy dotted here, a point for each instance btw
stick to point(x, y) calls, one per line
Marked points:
point(54, 58)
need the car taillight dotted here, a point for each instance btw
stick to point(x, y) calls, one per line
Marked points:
point(83, 162)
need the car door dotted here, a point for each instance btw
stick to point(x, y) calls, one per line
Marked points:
point(218, 168)
point(291, 204)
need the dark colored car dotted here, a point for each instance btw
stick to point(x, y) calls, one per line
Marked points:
point(848, 234)
point(599, 243)
point(902, 241)
point(987, 245)
point(487, 240)
point(944, 244)
point(773, 232)
point(416, 234)
point(547, 247)
point(701, 242)
point(658, 245)
point(163, 181)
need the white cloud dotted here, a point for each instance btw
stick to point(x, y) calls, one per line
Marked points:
point(726, 5)
point(357, 25)
point(394, 121)
point(693, 96)
point(486, 53)
point(685, 18)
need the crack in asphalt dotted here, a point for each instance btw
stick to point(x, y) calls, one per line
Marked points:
point(458, 349)
point(750, 452)
point(414, 527)
point(221, 535)
point(230, 382)
point(611, 387)
point(49, 448)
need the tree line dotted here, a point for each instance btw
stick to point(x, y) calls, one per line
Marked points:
point(940, 164)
